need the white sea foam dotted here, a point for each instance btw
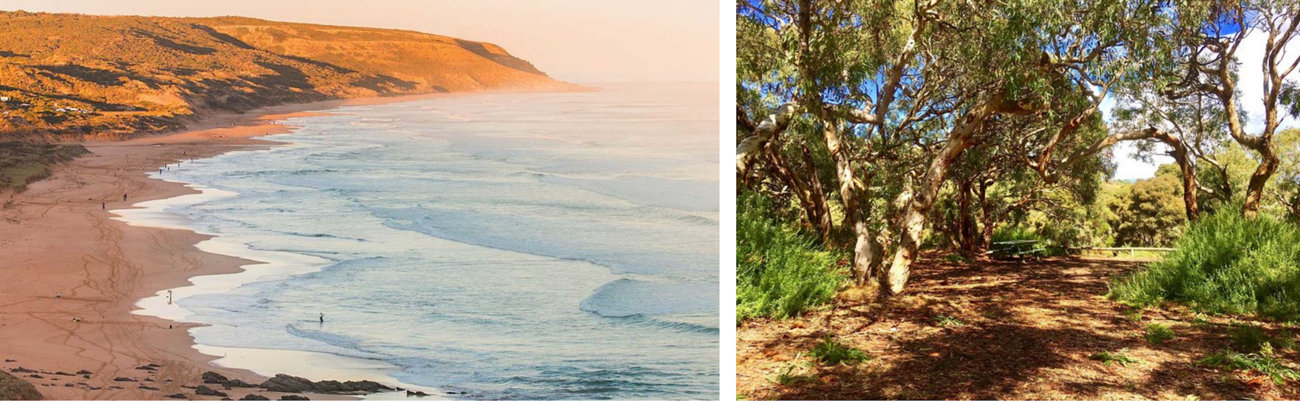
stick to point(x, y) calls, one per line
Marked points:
point(507, 245)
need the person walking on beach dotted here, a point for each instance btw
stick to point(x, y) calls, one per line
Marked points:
point(322, 318)
point(169, 297)
point(124, 197)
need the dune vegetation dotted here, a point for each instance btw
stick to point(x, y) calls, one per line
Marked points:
point(22, 163)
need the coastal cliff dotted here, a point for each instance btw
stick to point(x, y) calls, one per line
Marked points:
point(67, 77)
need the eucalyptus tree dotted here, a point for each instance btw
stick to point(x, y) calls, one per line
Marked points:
point(1210, 59)
point(1042, 60)
point(899, 90)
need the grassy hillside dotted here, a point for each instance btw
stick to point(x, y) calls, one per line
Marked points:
point(65, 76)
point(23, 163)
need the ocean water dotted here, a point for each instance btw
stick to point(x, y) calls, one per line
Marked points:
point(529, 246)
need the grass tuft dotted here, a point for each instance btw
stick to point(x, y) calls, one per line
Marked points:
point(831, 352)
point(947, 321)
point(1262, 362)
point(788, 375)
point(1107, 357)
point(1158, 333)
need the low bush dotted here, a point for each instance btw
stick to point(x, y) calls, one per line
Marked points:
point(1254, 338)
point(1225, 264)
point(780, 271)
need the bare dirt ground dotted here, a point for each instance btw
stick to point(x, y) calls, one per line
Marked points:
point(1021, 331)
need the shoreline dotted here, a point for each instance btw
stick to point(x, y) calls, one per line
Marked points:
point(74, 274)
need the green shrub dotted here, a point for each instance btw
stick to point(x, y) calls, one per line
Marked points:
point(831, 352)
point(1158, 333)
point(1014, 233)
point(1263, 363)
point(780, 271)
point(1254, 338)
point(1225, 264)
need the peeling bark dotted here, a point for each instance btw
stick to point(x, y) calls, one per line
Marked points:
point(866, 251)
point(751, 146)
point(912, 224)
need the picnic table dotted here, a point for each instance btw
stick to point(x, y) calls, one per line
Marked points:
point(1020, 249)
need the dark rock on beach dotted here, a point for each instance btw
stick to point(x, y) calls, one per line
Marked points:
point(178, 396)
point(21, 369)
point(211, 377)
point(333, 386)
point(255, 397)
point(83, 372)
point(149, 388)
point(123, 379)
point(233, 383)
point(293, 384)
point(288, 384)
point(294, 397)
point(205, 390)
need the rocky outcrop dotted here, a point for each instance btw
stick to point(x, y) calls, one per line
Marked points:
point(288, 384)
point(293, 384)
point(211, 377)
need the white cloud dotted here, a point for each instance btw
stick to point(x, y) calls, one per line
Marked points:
point(1129, 168)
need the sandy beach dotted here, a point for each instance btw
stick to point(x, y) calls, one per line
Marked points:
point(70, 274)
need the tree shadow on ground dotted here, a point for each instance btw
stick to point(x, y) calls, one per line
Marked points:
point(1012, 330)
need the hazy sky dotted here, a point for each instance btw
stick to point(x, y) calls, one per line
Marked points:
point(575, 40)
